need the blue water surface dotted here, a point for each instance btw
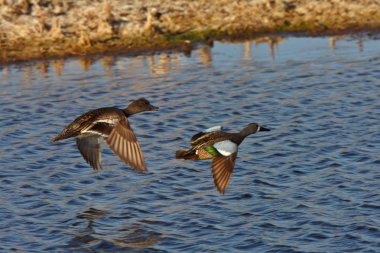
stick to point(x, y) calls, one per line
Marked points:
point(309, 185)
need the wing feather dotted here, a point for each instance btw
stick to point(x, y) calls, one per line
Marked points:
point(124, 144)
point(89, 147)
point(222, 167)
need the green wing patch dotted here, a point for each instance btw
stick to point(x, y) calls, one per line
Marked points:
point(212, 151)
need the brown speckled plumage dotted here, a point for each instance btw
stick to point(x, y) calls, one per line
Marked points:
point(112, 124)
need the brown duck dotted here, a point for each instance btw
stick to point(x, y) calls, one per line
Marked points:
point(111, 123)
point(220, 146)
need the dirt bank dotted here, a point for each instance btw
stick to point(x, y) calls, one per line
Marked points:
point(32, 29)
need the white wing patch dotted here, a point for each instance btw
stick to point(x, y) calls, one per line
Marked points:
point(226, 148)
point(212, 129)
point(111, 121)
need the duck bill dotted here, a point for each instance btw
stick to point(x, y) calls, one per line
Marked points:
point(154, 108)
point(263, 129)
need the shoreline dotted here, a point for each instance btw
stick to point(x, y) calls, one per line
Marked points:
point(34, 29)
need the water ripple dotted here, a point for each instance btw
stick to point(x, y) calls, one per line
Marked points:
point(309, 185)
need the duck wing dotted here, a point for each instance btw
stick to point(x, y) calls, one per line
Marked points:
point(209, 130)
point(208, 139)
point(124, 143)
point(89, 147)
point(222, 167)
point(86, 121)
point(101, 128)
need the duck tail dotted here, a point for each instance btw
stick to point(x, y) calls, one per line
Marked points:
point(58, 137)
point(63, 135)
point(186, 154)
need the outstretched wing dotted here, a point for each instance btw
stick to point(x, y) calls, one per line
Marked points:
point(124, 143)
point(89, 147)
point(222, 167)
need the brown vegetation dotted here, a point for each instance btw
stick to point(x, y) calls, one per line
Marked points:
point(48, 28)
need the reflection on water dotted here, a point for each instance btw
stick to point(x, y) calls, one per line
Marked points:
point(58, 66)
point(128, 236)
point(161, 64)
point(309, 185)
point(87, 235)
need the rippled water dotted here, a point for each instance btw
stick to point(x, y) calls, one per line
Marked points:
point(309, 185)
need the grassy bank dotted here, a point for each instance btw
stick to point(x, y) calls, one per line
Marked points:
point(32, 29)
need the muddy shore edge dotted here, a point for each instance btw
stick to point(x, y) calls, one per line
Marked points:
point(40, 29)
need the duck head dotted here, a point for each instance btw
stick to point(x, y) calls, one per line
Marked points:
point(140, 105)
point(252, 128)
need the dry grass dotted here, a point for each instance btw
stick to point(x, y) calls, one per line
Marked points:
point(45, 28)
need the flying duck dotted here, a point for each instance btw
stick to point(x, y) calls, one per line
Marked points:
point(112, 124)
point(220, 146)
